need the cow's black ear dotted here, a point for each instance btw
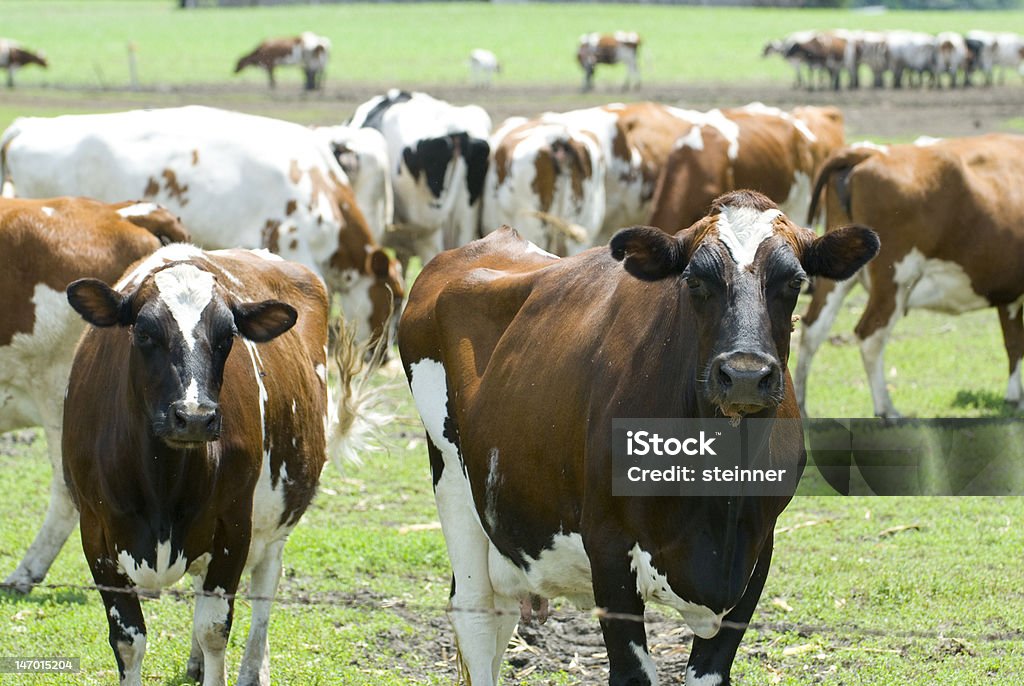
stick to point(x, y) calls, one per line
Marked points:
point(648, 253)
point(412, 161)
point(98, 303)
point(264, 321)
point(840, 253)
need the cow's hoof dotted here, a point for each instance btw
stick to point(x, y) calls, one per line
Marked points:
point(18, 584)
point(194, 670)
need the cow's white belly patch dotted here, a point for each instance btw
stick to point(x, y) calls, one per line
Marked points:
point(153, 578)
point(563, 569)
point(938, 285)
point(653, 585)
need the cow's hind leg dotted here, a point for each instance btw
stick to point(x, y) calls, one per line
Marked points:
point(817, 322)
point(265, 577)
point(886, 305)
point(711, 658)
point(61, 517)
point(625, 636)
point(1012, 323)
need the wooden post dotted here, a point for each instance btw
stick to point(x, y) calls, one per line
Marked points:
point(133, 67)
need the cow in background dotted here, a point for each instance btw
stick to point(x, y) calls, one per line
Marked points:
point(951, 57)
point(13, 57)
point(609, 48)
point(756, 147)
point(439, 155)
point(195, 430)
point(950, 216)
point(236, 180)
point(307, 50)
point(44, 246)
point(547, 178)
point(483, 65)
point(990, 50)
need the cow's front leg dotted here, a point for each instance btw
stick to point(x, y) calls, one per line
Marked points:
point(711, 658)
point(124, 612)
point(625, 637)
point(215, 604)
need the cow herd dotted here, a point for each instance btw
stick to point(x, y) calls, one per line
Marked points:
point(820, 58)
point(168, 306)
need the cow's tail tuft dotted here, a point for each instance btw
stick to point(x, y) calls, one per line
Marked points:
point(842, 161)
point(357, 397)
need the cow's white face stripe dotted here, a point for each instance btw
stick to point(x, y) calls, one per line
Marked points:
point(186, 290)
point(743, 229)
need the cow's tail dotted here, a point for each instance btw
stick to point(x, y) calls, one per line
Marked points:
point(840, 163)
point(357, 412)
point(6, 182)
point(569, 230)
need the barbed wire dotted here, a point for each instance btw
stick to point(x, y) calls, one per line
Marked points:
point(342, 598)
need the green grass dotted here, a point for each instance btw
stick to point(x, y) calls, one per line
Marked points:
point(86, 42)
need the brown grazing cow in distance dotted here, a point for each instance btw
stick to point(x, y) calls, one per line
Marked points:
point(519, 362)
point(44, 246)
point(13, 56)
point(194, 435)
point(307, 50)
point(609, 48)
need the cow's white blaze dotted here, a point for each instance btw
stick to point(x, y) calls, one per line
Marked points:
point(653, 585)
point(646, 662)
point(186, 290)
point(153, 578)
point(743, 229)
point(175, 252)
point(139, 209)
point(709, 679)
point(477, 632)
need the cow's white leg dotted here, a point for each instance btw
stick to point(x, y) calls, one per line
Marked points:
point(505, 623)
point(265, 577)
point(817, 322)
point(1012, 324)
point(872, 350)
point(194, 669)
point(472, 601)
point(212, 618)
point(61, 517)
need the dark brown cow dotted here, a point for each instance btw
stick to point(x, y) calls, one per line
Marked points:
point(519, 362)
point(950, 214)
point(307, 50)
point(761, 148)
point(44, 246)
point(609, 48)
point(194, 437)
point(13, 57)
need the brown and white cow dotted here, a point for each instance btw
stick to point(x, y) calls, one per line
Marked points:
point(236, 180)
point(13, 57)
point(307, 50)
point(194, 435)
point(609, 48)
point(756, 147)
point(44, 246)
point(518, 363)
point(950, 215)
point(547, 178)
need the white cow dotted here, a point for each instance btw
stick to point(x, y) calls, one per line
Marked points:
point(1004, 50)
point(950, 57)
point(546, 179)
point(483, 65)
point(913, 52)
point(439, 156)
point(236, 180)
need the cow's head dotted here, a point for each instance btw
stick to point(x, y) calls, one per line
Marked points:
point(181, 325)
point(742, 267)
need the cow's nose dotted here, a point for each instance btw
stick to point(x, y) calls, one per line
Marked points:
point(194, 424)
point(750, 379)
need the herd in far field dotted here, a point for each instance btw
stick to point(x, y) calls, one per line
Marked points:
point(658, 263)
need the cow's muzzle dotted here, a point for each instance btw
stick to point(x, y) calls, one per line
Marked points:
point(744, 382)
point(189, 424)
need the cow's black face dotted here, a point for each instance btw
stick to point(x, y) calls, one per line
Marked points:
point(182, 327)
point(742, 268)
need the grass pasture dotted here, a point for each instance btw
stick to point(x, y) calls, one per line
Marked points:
point(880, 591)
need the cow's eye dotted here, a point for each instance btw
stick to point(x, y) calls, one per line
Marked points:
point(693, 283)
point(143, 339)
point(796, 283)
point(224, 344)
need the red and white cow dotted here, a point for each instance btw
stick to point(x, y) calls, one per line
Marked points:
point(950, 215)
point(236, 180)
point(547, 178)
point(307, 50)
point(195, 431)
point(756, 147)
point(950, 57)
point(13, 57)
point(439, 155)
point(44, 246)
point(609, 48)
point(519, 362)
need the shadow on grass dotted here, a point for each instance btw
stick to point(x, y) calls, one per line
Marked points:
point(45, 597)
point(989, 402)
